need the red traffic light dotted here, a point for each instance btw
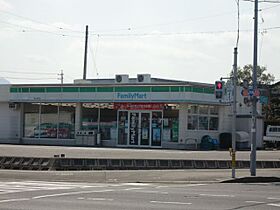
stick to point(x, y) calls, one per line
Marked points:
point(219, 85)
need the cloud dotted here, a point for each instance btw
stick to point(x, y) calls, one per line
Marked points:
point(4, 81)
point(38, 59)
point(5, 6)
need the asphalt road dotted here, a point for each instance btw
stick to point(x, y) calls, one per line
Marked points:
point(128, 153)
point(143, 176)
point(34, 195)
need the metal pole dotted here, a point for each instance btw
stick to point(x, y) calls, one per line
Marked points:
point(61, 77)
point(234, 114)
point(85, 57)
point(254, 107)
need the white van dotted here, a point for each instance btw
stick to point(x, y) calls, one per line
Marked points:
point(272, 137)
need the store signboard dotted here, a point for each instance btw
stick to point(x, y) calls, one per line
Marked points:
point(139, 106)
point(131, 96)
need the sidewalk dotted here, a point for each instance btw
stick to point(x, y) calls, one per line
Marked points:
point(129, 153)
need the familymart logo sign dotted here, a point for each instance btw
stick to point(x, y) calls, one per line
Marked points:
point(131, 96)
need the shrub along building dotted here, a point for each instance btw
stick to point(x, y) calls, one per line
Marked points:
point(121, 112)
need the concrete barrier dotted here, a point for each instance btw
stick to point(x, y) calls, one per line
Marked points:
point(211, 164)
point(188, 164)
point(175, 164)
point(223, 164)
point(60, 163)
point(199, 164)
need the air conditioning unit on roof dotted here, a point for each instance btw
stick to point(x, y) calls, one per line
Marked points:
point(121, 78)
point(143, 78)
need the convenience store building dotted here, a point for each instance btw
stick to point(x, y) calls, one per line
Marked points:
point(122, 112)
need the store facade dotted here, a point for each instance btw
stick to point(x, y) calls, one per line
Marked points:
point(156, 113)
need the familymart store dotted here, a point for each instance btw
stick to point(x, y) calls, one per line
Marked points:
point(161, 114)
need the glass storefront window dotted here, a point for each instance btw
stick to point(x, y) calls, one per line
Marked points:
point(123, 127)
point(192, 122)
point(156, 128)
point(206, 119)
point(106, 125)
point(203, 110)
point(192, 109)
point(213, 123)
point(171, 124)
point(214, 110)
point(49, 121)
point(31, 120)
point(66, 119)
point(203, 123)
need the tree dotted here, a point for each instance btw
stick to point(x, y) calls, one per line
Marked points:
point(246, 72)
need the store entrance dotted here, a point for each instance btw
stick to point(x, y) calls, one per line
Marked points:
point(140, 128)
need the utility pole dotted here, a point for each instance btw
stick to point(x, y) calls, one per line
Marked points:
point(254, 104)
point(85, 56)
point(233, 134)
point(61, 77)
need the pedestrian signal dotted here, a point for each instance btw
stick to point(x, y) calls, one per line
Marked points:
point(219, 89)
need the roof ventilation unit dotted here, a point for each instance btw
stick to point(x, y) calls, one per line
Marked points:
point(121, 78)
point(143, 78)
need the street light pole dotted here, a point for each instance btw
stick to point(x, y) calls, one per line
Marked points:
point(233, 134)
point(254, 104)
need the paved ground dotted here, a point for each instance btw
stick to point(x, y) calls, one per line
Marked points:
point(94, 152)
point(145, 176)
point(33, 195)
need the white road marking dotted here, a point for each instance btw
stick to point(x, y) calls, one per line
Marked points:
point(71, 193)
point(100, 199)
point(166, 202)
point(14, 200)
point(254, 202)
point(25, 186)
point(151, 191)
point(183, 185)
point(273, 198)
point(135, 188)
point(274, 204)
point(194, 185)
point(135, 184)
point(213, 195)
point(95, 199)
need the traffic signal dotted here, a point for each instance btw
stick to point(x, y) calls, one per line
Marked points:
point(219, 89)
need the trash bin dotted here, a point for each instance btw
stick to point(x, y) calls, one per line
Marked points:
point(225, 140)
point(242, 140)
point(207, 143)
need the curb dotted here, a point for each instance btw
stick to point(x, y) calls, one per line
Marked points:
point(258, 179)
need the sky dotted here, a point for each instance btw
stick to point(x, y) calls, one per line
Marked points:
point(170, 39)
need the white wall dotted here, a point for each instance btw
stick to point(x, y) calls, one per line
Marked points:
point(9, 118)
point(4, 93)
point(9, 123)
point(225, 119)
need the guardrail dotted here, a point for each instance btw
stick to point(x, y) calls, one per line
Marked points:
point(60, 163)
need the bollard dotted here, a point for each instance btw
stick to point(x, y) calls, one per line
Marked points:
point(233, 161)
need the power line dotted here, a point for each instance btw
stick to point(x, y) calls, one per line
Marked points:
point(37, 30)
point(30, 78)
point(36, 21)
point(182, 33)
point(19, 72)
